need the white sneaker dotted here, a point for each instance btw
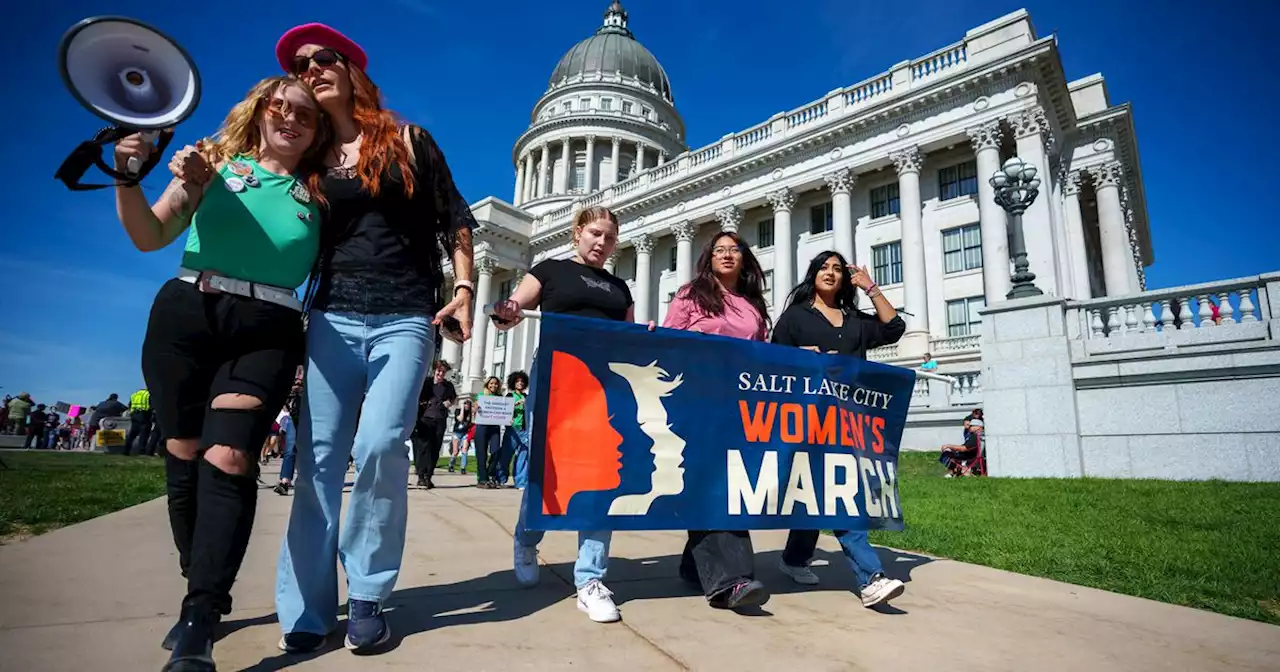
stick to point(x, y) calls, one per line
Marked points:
point(881, 589)
point(597, 601)
point(801, 575)
point(526, 565)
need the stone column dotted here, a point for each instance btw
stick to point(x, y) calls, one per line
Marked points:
point(992, 220)
point(485, 266)
point(562, 185)
point(542, 171)
point(1031, 127)
point(914, 290)
point(589, 180)
point(784, 246)
point(1075, 237)
point(612, 262)
point(530, 176)
point(515, 198)
point(1116, 255)
point(662, 158)
point(644, 266)
point(617, 158)
point(490, 344)
point(685, 231)
point(730, 218)
point(840, 183)
point(639, 157)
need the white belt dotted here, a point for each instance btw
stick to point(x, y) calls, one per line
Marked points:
point(206, 281)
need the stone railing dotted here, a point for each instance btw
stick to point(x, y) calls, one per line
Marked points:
point(887, 353)
point(830, 110)
point(965, 391)
point(970, 343)
point(1227, 311)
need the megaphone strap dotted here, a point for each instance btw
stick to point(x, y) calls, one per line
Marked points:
point(89, 153)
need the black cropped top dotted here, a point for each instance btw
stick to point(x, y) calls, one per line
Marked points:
point(384, 254)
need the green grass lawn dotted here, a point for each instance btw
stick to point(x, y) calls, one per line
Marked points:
point(1210, 545)
point(44, 491)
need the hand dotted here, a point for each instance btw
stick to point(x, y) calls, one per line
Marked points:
point(861, 277)
point(508, 314)
point(189, 165)
point(130, 147)
point(812, 348)
point(652, 325)
point(459, 309)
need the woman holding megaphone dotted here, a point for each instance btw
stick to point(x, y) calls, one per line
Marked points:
point(225, 336)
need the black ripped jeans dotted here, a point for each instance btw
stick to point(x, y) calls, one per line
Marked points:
point(198, 347)
point(717, 560)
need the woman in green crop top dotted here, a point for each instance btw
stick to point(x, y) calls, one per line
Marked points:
point(225, 336)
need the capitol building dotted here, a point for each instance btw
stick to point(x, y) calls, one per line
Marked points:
point(890, 171)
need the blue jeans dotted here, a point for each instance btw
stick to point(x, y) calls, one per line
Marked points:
point(516, 442)
point(801, 545)
point(593, 547)
point(290, 440)
point(373, 367)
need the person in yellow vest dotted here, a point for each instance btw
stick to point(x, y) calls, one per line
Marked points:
point(140, 417)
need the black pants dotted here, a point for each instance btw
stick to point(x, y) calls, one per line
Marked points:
point(488, 445)
point(801, 545)
point(198, 347)
point(426, 446)
point(718, 559)
point(140, 431)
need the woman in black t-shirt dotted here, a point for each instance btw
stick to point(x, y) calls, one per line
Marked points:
point(822, 315)
point(578, 286)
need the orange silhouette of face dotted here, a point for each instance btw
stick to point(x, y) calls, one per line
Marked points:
point(581, 445)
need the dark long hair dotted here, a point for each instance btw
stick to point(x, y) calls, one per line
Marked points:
point(846, 295)
point(704, 289)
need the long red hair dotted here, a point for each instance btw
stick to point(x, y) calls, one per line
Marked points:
point(382, 143)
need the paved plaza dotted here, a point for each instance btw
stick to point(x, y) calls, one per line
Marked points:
point(100, 595)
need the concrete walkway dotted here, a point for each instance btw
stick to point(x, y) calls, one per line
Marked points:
point(100, 596)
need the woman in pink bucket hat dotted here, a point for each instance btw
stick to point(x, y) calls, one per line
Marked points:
point(377, 297)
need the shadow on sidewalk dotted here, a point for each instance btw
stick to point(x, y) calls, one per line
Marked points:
point(497, 598)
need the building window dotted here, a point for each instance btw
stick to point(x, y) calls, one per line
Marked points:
point(646, 112)
point(958, 180)
point(671, 261)
point(626, 107)
point(820, 218)
point(586, 104)
point(962, 316)
point(962, 249)
point(606, 103)
point(568, 106)
point(578, 178)
point(884, 200)
point(764, 233)
point(768, 288)
point(500, 368)
point(886, 263)
point(504, 292)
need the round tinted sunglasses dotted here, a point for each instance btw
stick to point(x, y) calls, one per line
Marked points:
point(324, 58)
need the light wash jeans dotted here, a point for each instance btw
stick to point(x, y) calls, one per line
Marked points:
point(290, 450)
point(372, 366)
point(593, 545)
point(516, 442)
point(861, 556)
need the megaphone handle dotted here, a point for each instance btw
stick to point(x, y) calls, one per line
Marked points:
point(134, 164)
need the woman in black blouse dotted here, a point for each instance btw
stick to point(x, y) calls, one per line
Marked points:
point(822, 315)
point(377, 295)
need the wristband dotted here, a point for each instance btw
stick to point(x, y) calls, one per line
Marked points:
point(463, 285)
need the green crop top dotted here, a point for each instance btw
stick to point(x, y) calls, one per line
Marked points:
point(255, 225)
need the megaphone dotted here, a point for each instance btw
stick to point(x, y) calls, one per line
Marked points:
point(133, 76)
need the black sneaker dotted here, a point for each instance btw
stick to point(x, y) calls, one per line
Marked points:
point(301, 642)
point(743, 594)
point(422, 481)
point(367, 626)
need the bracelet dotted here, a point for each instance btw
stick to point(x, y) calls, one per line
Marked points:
point(466, 287)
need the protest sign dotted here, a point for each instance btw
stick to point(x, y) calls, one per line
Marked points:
point(639, 430)
point(491, 410)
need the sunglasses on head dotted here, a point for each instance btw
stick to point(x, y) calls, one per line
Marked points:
point(324, 58)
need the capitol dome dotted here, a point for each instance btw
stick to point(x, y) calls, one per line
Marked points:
point(613, 50)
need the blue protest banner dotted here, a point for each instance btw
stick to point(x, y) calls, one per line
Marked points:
point(639, 430)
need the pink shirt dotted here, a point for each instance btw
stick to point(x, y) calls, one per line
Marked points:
point(740, 319)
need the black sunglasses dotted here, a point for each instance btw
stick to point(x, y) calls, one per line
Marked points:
point(325, 58)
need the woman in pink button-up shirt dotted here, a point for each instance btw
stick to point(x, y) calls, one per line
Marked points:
point(726, 297)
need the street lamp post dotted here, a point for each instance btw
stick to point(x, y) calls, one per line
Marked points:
point(1016, 187)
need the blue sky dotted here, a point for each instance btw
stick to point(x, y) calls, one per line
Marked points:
point(1200, 76)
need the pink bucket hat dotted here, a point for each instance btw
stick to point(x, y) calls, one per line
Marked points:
point(318, 33)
